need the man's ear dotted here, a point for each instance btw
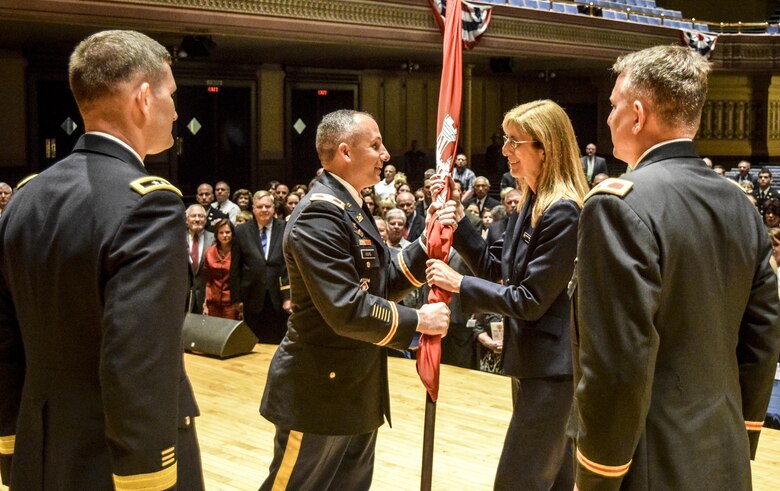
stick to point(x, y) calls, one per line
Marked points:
point(143, 98)
point(640, 113)
point(344, 150)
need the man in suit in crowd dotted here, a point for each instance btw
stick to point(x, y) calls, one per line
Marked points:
point(204, 197)
point(744, 174)
point(670, 397)
point(415, 221)
point(94, 394)
point(223, 203)
point(463, 174)
point(764, 191)
point(592, 164)
point(496, 230)
point(5, 195)
point(198, 240)
point(481, 198)
point(327, 391)
point(258, 275)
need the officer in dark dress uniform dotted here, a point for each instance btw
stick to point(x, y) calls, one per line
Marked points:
point(327, 389)
point(94, 394)
point(676, 304)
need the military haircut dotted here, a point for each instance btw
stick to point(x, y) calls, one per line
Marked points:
point(672, 78)
point(336, 128)
point(107, 59)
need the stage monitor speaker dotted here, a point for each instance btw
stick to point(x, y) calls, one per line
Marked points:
point(216, 336)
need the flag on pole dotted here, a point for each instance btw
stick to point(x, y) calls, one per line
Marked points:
point(474, 20)
point(447, 130)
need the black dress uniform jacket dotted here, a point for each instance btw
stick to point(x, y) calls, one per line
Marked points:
point(677, 322)
point(535, 264)
point(329, 375)
point(93, 274)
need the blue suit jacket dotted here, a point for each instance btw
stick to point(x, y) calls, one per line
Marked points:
point(535, 264)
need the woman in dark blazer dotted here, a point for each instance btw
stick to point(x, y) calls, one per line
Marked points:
point(523, 277)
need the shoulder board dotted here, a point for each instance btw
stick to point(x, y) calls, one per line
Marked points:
point(329, 198)
point(145, 185)
point(618, 187)
point(24, 181)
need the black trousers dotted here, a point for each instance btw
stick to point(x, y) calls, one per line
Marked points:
point(189, 473)
point(269, 324)
point(305, 461)
point(537, 455)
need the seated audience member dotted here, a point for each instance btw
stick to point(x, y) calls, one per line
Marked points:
point(5, 195)
point(774, 237)
point(719, 170)
point(243, 199)
point(747, 186)
point(598, 178)
point(772, 213)
point(422, 205)
point(216, 273)
point(243, 216)
point(707, 162)
point(271, 186)
point(396, 221)
point(404, 188)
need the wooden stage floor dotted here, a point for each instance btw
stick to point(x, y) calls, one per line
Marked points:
point(472, 416)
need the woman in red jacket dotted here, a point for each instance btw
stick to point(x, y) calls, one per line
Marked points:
point(216, 269)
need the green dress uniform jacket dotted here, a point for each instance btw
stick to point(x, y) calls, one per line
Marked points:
point(329, 375)
point(676, 328)
point(93, 274)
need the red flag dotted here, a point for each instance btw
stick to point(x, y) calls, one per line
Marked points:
point(447, 128)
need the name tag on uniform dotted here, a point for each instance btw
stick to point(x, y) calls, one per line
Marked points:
point(367, 253)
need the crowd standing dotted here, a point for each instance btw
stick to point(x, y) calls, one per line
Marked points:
point(350, 244)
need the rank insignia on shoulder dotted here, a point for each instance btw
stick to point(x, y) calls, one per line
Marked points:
point(24, 181)
point(618, 187)
point(329, 198)
point(145, 185)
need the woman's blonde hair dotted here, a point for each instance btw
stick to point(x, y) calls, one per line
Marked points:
point(561, 176)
